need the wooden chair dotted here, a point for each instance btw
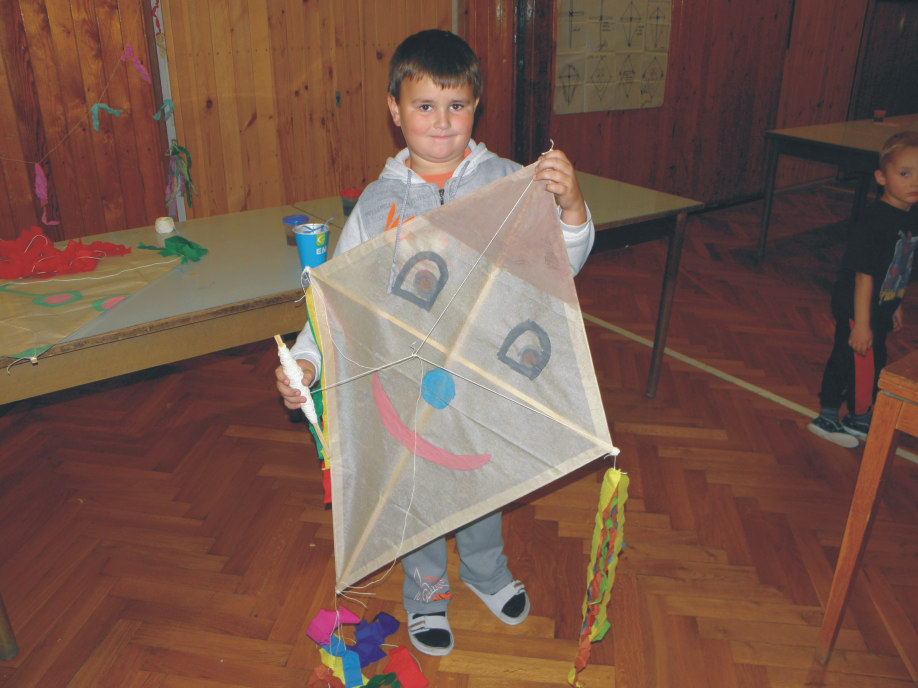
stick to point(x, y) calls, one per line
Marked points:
point(895, 411)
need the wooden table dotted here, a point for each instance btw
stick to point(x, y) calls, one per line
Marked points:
point(895, 411)
point(616, 205)
point(853, 146)
point(245, 290)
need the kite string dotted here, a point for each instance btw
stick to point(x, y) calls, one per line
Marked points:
point(368, 371)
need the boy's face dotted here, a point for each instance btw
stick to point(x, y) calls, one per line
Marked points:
point(899, 179)
point(436, 122)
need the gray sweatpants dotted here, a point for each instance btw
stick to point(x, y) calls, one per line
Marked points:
point(482, 564)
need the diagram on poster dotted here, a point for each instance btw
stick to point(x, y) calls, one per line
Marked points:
point(611, 54)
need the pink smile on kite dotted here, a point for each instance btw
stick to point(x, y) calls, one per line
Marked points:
point(437, 390)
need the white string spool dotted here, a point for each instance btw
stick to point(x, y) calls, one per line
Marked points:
point(164, 225)
point(295, 375)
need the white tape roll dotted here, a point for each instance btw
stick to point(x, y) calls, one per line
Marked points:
point(164, 225)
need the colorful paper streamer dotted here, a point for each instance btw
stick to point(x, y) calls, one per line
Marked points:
point(95, 114)
point(166, 109)
point(41, 191)
point(180, 182)
point(607, 544)
point(129, 54)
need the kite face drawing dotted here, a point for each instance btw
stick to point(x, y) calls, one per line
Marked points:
point(465, 386)
point(410, 440)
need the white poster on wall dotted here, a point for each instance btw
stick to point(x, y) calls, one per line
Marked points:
point(611, 54)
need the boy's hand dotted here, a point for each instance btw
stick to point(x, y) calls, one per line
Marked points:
point(897, 319)
point(557, 170)
point(861, 339)
point(292, 398)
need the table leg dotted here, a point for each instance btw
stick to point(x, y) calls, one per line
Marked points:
point(670, 275)
point(771, 170)
point(8, 647)
point(878, 453)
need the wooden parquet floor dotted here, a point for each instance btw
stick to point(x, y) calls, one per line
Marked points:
point(166, 530)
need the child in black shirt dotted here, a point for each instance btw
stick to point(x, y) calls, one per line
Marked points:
point(867, 298)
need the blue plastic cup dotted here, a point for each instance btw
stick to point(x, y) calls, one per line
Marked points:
point(311, 242)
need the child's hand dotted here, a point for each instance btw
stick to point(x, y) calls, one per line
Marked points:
point(557, 170)
point(861, 339)
point(897, 319)
point(292, 398)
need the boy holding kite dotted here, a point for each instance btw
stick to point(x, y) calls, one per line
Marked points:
point(434, 88)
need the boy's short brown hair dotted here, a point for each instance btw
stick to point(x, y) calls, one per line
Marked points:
point(443, 56)
point(895, 143)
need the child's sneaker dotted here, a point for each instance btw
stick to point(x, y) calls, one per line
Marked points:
point(833, 431)
point(859, 427)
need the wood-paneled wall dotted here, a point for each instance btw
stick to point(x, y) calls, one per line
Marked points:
point(57, 59)
point(488, 26)
point(736, 69)
point(284, 100)
point(819, 72)
point(889, 60)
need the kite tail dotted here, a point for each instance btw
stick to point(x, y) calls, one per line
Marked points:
point(318, 399)
point(607, 545)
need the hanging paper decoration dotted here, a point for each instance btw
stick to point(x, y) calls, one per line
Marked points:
point(129, 54)
point(41, 191)
point(607, 544)
point(180, 182)
point(166, 109)
point(158, 34)
point(95, 114)
point(41, 182)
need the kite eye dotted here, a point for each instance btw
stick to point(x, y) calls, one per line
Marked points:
point(422, 279)
point(526, 349)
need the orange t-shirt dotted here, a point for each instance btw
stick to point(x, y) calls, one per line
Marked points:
point(438, 179)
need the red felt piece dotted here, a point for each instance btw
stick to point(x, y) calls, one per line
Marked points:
point(402, 664)
point(34, 255)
